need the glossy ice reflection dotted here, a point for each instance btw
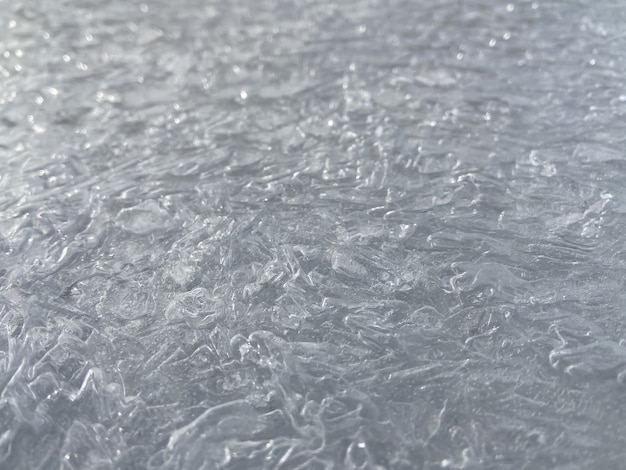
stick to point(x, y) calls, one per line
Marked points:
point(311, 235)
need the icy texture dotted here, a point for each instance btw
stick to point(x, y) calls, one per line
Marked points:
point(303, 234)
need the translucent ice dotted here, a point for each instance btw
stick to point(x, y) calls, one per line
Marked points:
point(303, 234)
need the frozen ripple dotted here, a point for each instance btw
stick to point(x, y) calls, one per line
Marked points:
point(312, 235)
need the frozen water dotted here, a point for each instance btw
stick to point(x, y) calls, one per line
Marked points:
point(304, 234)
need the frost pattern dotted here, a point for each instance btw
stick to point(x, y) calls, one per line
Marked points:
point(361, 234)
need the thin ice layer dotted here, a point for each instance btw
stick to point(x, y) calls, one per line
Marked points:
point(285, 234)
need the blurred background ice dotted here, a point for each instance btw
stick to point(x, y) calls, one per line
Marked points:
point(305, 234)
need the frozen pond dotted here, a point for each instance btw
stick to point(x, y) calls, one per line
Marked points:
point(278, 234)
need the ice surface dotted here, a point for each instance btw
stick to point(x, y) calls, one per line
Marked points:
point(304, 234)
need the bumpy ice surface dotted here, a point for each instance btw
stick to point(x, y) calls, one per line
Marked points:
point(306, 234)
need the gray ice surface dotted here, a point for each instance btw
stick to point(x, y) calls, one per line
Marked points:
point(308, 234)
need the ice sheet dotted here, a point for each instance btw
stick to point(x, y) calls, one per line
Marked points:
point(303, 234)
